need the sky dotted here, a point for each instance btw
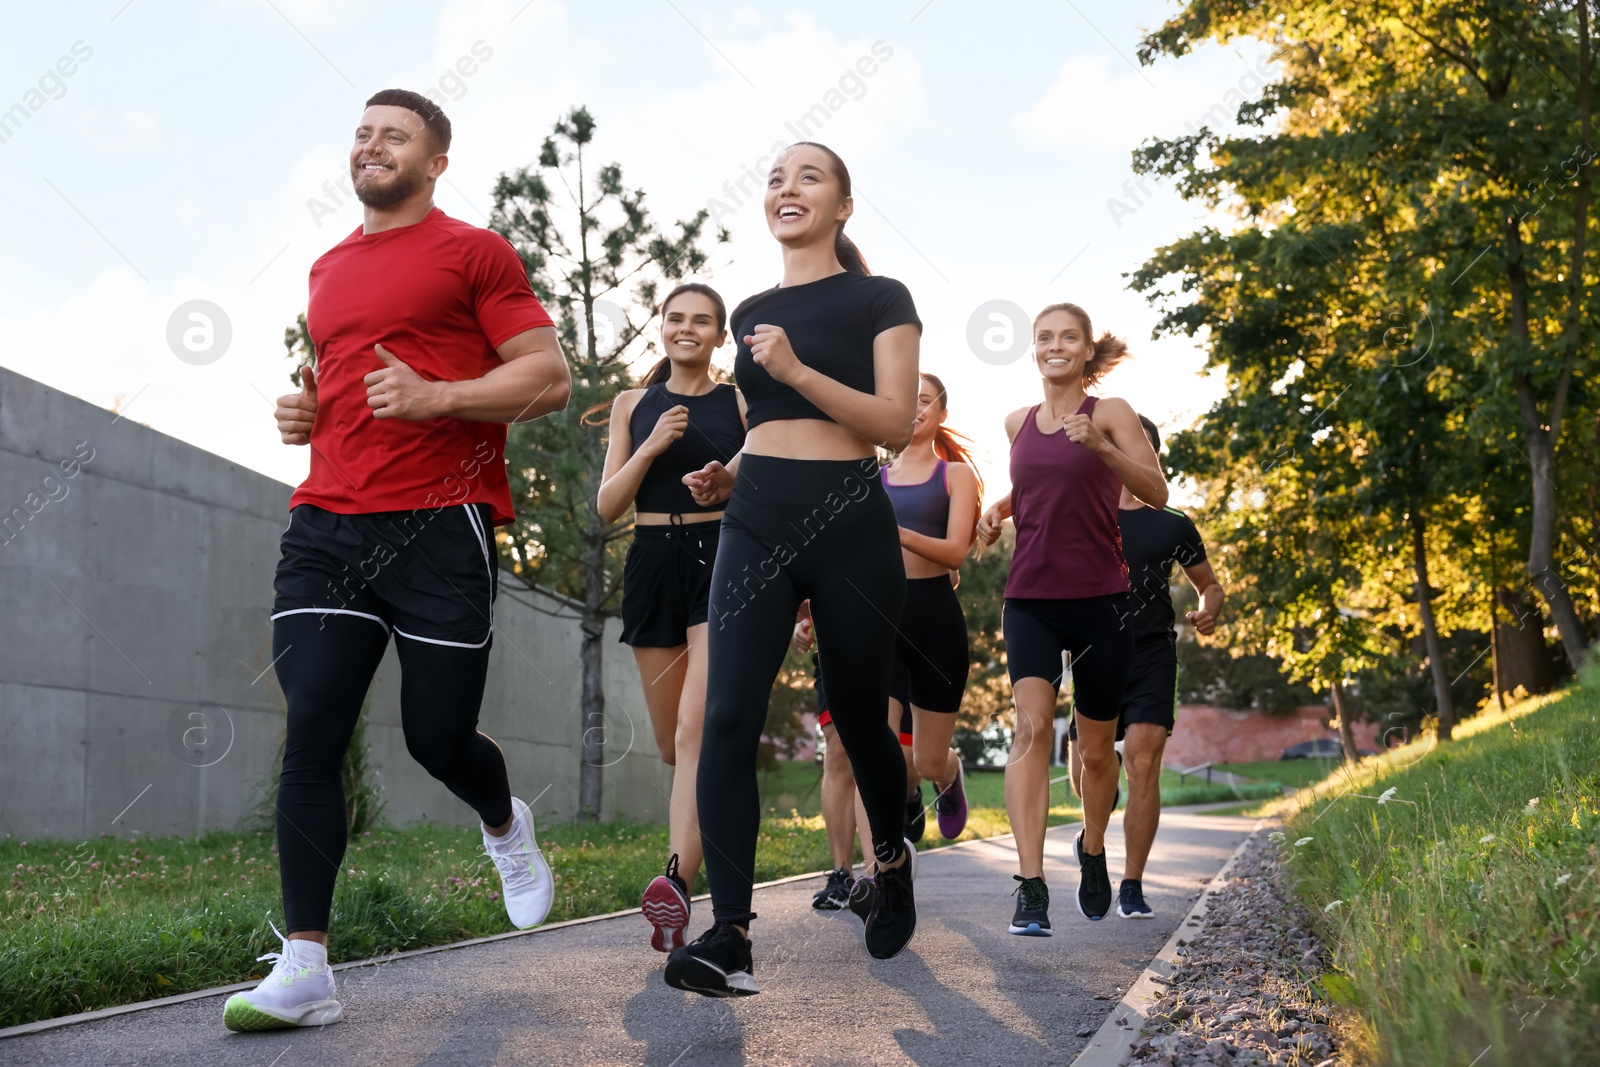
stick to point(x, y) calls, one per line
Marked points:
point(156, 154)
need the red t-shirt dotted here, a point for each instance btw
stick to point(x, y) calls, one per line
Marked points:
point(440, 295)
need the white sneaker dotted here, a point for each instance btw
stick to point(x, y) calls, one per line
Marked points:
point(525, 880)
point(297, 992)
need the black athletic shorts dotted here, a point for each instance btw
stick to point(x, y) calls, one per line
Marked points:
point(666, 582)
point(1151, 695)
point(429, 574)
point(931, 660)
point(1038, 631)
point(824, 716)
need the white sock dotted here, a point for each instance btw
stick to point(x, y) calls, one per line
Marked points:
point(308, 952)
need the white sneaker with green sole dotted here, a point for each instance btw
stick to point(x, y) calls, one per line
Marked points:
point(297, 992)
point(526, 884)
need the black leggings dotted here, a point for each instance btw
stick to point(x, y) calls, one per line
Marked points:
point(795, 529)
point(324, 666)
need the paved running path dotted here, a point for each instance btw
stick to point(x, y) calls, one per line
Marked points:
point(964, 992)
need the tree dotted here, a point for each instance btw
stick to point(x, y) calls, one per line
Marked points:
point(1404, 134)
point(597, 261)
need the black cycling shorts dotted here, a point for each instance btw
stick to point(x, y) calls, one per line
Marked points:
point(666, 582)
point(429, 574)
point(931, 660)
point(1091, 629)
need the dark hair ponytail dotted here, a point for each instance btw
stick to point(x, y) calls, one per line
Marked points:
point(850, 257)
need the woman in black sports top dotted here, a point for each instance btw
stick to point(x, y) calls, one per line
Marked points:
point(827, 362)
point(679, 420)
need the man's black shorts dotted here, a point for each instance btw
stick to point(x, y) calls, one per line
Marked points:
point(429, 574)
point(1151, 695)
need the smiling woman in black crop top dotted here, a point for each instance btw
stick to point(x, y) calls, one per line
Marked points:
point(827, 362)
point(677, 422)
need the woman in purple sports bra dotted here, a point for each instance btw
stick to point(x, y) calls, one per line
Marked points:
point(936, 492)
point(1070, 457)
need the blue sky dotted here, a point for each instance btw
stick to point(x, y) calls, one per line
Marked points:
point(193, 149)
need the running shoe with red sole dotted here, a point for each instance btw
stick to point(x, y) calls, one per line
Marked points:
point(666, 906)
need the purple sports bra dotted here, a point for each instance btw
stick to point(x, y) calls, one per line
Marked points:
point(923, 507)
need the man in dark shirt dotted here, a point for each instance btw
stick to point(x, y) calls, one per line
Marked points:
point(1152, 540)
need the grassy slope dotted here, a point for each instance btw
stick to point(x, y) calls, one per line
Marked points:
point(1468, 900)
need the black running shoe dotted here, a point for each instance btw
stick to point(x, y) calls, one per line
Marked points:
point(835, 895)
point(862, 894)
point(1094, 885)
point(916, 816)
point(1130, 900)
point(894, 908)
point(1032, 918)
point(715, 964)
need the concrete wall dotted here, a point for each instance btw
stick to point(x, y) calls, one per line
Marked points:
point(135, 695)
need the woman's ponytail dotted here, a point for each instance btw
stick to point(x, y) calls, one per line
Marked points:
point(850, 257)
point(1109, 350)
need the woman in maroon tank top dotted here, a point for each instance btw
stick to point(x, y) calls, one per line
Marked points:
point(1070, 457)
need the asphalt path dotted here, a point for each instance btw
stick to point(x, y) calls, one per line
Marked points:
point(965, 991)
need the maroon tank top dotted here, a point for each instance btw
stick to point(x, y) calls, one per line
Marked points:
point(1064, 505)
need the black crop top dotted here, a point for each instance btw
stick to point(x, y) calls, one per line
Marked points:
point(715, 433)
point(831, 324)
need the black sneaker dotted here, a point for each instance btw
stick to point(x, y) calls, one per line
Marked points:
point(1094, 885)
point(1130, 900)
point(893, 918)
point(1032, 918)
point(862, 893)
point(715, 964)
point(916, 816)
point(835, 895)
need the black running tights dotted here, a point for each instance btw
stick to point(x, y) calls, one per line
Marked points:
point(823, 530)
point(324, 665)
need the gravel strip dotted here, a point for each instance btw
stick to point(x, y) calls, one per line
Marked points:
point(1243, 997)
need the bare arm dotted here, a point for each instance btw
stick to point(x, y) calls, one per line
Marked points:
point(1113, 433)
point(625, 465)
point(883, 416)
point(951, 549)
point(531, 381)
point(1205, 583)
point(995, 515)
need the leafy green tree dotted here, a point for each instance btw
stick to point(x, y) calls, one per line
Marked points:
point(597, 261)
point(1367, 361)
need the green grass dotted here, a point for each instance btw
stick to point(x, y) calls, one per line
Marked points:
point(1294, 773)
point(1457, 885)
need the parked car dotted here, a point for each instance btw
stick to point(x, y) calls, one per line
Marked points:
point(1320, 748)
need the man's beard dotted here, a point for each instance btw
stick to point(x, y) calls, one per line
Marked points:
point(402, 185)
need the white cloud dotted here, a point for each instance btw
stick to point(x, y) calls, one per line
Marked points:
point(1098, 103)
point(126, 132)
